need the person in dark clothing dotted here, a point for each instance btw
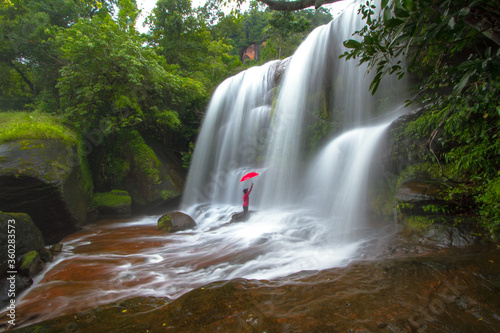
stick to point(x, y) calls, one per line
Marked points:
point(246, 199)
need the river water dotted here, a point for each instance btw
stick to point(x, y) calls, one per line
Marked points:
point(104, 279)
point(113, 260)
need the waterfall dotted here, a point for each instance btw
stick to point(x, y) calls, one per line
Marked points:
point(236, 120)
point(339, 175)
point(260, 120)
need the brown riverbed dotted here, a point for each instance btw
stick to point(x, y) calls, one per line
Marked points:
point(437, 290)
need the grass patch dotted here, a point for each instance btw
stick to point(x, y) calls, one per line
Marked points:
point(114, 198)
point(25, 125)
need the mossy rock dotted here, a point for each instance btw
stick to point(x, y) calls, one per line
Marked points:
point(114, 203)
point(48, 181)
point(44, 173)
point(441, 231)
point(149, 172)
point(28, 237)
point(175, 221)
point(29, 243)
point(31, 264)
point(28, 126)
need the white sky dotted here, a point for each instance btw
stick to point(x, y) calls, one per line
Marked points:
point(147, 5)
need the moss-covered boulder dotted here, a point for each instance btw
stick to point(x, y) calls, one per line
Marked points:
point(175, 221)
point(25, 233)
point(31, 264)
point(18, 229)
point(43, 173)
point(151, 174)
point(116, 203)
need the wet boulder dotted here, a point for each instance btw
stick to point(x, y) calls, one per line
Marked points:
point(26, 236)
point(240, 217)
point(175, 221)
point(47, 179)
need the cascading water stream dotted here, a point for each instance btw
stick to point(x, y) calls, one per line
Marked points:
point(236, 120)
point(231, 144)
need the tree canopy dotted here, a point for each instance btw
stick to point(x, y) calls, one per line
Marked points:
point(85, 62)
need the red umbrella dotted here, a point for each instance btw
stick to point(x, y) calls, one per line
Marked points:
point(248, 176)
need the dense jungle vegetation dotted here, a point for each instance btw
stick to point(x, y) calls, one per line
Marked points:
point(85, 62)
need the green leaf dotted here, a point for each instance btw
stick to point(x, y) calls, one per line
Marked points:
point(400, 12)
point(384, 3)
point(394, 22)
point(487, 54)
point(352, 44)
point(408, 4)
point(387, 15)
point(464, 11)
point(463, 81)
point(375, 83)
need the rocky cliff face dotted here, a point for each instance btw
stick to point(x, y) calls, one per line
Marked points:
point(414, 191)
point(46, 179)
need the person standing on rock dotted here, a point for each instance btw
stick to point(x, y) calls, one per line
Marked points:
point(246, 199)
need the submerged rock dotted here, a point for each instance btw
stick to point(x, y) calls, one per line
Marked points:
point(47, 179)
point(240, 217)
point(175, 221)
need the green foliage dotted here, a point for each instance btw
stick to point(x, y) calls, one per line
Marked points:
point(418, 223)
point(423, 170)
point(130, 86)
point(144, 156)
point(275, 34)
point(404, 205)
point(436, 209)
point(182, 35)
point(458, 65)
point(166, 194)
point(24, 125)
point(29, 61)
point(489, 206)
point(188, 156)
point(115, 198)
point(282, 24)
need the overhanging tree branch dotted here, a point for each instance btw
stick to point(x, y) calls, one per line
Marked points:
point(478, 20)
point(296, 5)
